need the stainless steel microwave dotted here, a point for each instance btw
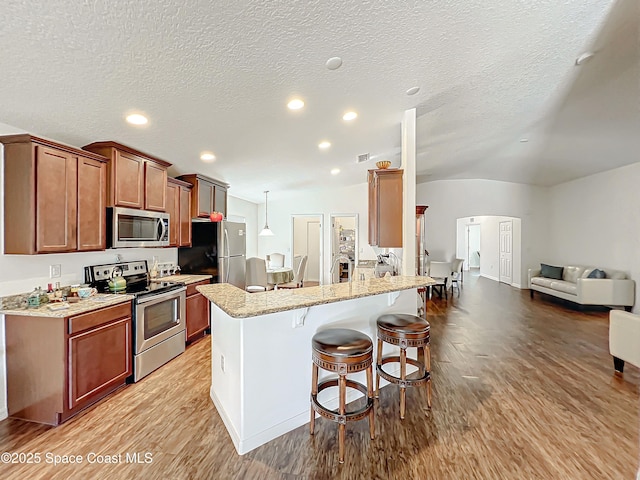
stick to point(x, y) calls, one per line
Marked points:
point(128, 227)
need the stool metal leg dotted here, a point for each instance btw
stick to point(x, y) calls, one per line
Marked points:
point(342, 410)
point(403, 376)
point(370, 396)
point(314, 391)
point(378, 363)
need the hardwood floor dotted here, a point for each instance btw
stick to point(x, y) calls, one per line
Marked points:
point(522, 389)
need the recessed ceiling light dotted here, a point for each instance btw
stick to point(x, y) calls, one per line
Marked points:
point(324, 145)
point(334, 63)
point(349, 116)
point(524, 140)
point(295, 104)
point(335, 171)
point(137, 119)
point(584, 58)
point(413, 90)
point(207, 157)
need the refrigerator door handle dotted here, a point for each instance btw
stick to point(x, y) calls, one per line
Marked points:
point(226, 280)
point(226, 242)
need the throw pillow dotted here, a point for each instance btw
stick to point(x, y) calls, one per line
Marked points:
point(597, 274)
point(549, 271)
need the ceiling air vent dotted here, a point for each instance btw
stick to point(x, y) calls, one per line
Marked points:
point(363, 158)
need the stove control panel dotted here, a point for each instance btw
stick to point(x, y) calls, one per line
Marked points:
point(127, 269)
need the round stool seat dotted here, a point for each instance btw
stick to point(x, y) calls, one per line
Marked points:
point(341, 342)
point(403, 323)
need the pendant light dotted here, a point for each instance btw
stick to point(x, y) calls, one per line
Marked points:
point(266, 231)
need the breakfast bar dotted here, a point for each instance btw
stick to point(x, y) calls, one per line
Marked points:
point(261, 347)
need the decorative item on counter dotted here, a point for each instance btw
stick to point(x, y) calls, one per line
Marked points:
point(383, 164)
point(73, 291)
point(33, 300)
point(154, 269)
point(216, 216)
point(58, 291)
point(86, 292)
point(50, 293)
point(117, 283)
point(44, 298)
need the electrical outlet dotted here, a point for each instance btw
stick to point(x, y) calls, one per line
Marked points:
point(222, 362)
point(55, 271)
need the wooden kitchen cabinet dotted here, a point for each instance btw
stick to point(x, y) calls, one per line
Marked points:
point(57, 366)
point(197, 311)
point(179, 209)
point(54, 197)
point(385, 208)
point(208, 195)
point(92, 201)
point(135, 179)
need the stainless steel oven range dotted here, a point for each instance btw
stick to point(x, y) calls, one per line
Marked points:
point(159, 312)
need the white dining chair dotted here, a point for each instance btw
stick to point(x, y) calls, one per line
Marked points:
point(256, 278)
point(440, 272)
point(298, 276)
point(456, 274)
point(276, 260)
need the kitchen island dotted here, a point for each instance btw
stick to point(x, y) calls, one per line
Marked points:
point(261, 347)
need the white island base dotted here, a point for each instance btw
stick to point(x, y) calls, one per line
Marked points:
point(261, 365)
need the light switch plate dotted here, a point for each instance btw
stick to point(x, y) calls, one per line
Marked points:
point(55, 271)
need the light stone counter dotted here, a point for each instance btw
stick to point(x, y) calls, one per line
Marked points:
point(83, 305)
point(240, 304)
point(187, 278)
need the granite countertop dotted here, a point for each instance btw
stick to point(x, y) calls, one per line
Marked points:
point(186, 278)
point(82, 305)
point(240, 304)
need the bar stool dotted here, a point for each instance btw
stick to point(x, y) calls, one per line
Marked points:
point(405, 331)
point(342, 351)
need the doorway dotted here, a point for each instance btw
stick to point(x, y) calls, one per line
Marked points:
point(472, 250)
point(344, 243)
point(307, 233)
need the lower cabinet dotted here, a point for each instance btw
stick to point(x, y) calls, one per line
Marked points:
point(198, 307)
point(57, 366)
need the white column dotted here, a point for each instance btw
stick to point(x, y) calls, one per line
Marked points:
point(408, 163)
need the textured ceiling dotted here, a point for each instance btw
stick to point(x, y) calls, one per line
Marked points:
point(217, 76)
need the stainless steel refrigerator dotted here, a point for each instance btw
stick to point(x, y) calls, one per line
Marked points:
point(218, 249)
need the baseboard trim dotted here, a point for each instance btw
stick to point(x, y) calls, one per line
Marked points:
point(490, 277)
point(4, 413)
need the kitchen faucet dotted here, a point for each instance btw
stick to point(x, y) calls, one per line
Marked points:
point(341, 256)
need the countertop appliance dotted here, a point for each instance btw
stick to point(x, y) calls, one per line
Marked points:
point(158, 317)
point(128, 227)
point(217, 249)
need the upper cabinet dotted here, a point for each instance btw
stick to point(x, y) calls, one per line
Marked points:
point(179, 209)
point(385, 208)
point(208, 195)
point(55, 197)
point(135, 179)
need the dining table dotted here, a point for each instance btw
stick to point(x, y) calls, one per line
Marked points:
point(279, 275)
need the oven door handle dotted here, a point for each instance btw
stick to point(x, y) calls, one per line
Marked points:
point(160, 296)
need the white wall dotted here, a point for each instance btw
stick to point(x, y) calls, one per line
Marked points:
point(239, 209)
point(338, 200)
point(449, 200)
point(595, 221)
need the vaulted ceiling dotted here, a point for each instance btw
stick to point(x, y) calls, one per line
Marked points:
point(500, 95)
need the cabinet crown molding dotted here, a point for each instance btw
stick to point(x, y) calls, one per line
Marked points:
point(27, 137)
point(125, 148)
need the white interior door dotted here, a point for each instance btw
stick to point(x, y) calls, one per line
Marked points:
point(506, 252)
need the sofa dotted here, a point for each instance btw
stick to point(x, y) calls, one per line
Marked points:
point(624, 338)
point(581, 285)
